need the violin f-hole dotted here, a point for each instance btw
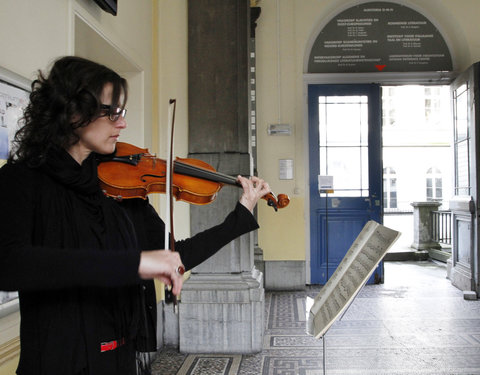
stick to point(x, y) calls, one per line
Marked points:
point(142, 177)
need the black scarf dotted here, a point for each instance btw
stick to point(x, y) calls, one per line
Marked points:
point(78, 216)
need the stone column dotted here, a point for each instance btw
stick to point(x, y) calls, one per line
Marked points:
point(221, 309)
point(422, 225)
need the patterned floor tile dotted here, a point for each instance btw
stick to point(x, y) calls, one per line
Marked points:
point(210, 364)
point(416, 323)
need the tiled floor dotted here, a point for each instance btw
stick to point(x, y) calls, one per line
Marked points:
point(414, 323)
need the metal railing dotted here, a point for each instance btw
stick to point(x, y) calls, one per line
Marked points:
point(442, 227)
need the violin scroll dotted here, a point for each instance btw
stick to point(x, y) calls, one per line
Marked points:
point(282, 201)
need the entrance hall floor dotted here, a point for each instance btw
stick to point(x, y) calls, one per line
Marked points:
point(414, 323)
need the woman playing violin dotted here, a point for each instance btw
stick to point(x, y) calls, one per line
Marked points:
point(84, 263)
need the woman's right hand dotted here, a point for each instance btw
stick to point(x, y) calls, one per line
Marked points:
point(162, 265)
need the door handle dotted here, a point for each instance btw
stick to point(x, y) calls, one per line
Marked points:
point(376, 202)
point(369, 200)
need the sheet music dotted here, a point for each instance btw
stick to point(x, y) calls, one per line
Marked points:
point(354, 270)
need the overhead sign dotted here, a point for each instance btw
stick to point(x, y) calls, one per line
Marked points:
point(379, 36)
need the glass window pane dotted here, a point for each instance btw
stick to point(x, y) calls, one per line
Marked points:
point(429, 193)
point(343, 125)
point(438, 193)
point(349, 170)
point(344, 166)
point(322, 123)
point(350, 193)
point(364, 125)
point(393, 203)
point(343, 143)
point(461, 116)
point(323, 161)
point(462, 165)
point(345, 99)
point(462, 161)
point(343, 120)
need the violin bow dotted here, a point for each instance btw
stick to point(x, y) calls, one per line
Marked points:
point(169, 176)
point(170, 239)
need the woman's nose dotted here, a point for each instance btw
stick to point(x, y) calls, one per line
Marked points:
point(121, 122)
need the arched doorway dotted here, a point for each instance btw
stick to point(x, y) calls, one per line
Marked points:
point(374, 42)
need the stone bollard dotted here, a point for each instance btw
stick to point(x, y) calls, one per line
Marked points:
point(422, 225)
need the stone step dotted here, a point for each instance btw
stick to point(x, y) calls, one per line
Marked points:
point(405, 254)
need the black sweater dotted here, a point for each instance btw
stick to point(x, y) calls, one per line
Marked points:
point(72, 297)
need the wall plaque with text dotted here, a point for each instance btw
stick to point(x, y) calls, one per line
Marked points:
point(379, 36)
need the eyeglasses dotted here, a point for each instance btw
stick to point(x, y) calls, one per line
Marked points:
point(113, 116)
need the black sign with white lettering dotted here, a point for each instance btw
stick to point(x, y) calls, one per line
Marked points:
point(379, 36)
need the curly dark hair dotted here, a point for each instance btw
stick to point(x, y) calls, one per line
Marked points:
point(60, 103)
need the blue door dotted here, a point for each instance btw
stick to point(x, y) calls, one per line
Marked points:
point(345, 143)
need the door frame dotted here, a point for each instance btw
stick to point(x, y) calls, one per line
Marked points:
point(464, 208)
point(381, 78)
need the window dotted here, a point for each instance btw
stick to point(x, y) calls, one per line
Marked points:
point(389, 188)
point(388, 106)
point(461, 141)
point(434, 184)
point(343, 133)
point(433, 105)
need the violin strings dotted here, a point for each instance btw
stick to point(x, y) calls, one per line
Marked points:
point(204, 173)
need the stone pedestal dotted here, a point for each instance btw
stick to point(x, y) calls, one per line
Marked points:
point(221, 309)
point(422, 225)
point(222, 313)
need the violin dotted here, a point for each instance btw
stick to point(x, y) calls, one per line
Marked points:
point(132, 172)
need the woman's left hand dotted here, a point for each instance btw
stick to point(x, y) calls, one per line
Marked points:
point(254, 188)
